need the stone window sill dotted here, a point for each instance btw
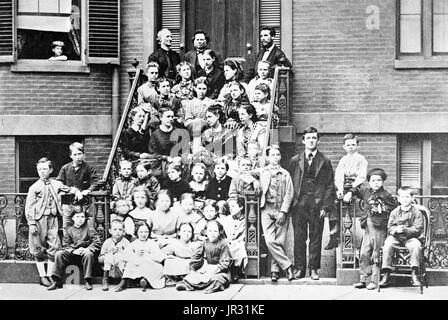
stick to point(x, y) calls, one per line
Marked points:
point(31, 65)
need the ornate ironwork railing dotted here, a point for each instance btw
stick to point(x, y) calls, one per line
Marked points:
point(438, 247)
point(13, 205)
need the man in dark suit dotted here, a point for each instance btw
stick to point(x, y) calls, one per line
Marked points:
point(166, 58)
point(269, 52)
point(314, 195)
point(194, 57)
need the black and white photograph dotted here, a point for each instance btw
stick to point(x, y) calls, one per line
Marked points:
point(219, 151)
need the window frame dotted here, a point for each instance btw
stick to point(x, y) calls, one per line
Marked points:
point(41, 65)
point(427, 59)
point(34, 139)
point(426, 145)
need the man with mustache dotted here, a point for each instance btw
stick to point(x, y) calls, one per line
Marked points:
point(269, 52)
point(195, 56)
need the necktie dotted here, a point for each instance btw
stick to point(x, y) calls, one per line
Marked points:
point(310, 159)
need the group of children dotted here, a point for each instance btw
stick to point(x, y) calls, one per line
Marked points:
point(385, 223)
point(192, 234)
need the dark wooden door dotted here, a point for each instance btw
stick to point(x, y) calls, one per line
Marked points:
point(231, 24)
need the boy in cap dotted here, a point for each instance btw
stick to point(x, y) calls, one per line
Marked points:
point(378, 203)
point(57, 47)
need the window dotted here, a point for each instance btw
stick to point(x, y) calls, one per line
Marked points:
point(89, 30)
point(31, 149)
point(423, 34)
point(42, 22)
point(424, 163)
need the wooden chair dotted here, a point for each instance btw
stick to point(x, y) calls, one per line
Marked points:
point(400, 262)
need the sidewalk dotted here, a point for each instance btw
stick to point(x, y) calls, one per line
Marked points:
point(234, 293)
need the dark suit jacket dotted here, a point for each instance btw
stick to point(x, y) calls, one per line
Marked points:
point(324, 194)
point(215, 80)
point(192, 57)
point(274, 58)
point(160, 56)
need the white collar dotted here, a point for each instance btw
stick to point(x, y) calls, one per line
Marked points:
point(313, 153)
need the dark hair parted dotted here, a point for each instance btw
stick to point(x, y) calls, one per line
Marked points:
point(270, 29)
point(235, 65)
point(221, 232)
point(45, 160)
point(310, 130)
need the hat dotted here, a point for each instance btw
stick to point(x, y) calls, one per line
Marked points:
point(58, 44)
point(377, 172)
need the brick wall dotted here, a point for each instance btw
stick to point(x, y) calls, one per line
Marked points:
point(56, 93)
point(97, 152)
point(379, 150)
point(131, 43)
point(341, 66)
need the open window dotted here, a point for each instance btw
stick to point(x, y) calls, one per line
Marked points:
point(88, 29)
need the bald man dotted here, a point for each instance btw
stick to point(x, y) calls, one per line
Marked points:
point(167, 58)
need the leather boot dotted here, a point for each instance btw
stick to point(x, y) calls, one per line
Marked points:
point(414, 278)
point(385, 279)
point(122, 285)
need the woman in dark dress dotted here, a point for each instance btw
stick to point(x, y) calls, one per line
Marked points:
point(213, 73)
point(134, 140)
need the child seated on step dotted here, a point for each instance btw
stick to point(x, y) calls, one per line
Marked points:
point(209, 266)
point(111, 256)
point(211, 212)
point(245, 181)
point(121, 210)
point(178, 254)
point(144, 261)
point(124, 185)
point(141, 213)
point(79, 245)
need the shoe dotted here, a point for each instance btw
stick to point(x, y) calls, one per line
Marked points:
point(181, 287)
point(385, 280)
point(143, 284)
point(88, 285)
point(300, 274)
point(414, 279)
point(105, 284)
point(235, 278)
point(44, 282)
point(54, 285)
point(314, 275)
point(371, 286)
point(274, 276)
point(332, 244)
point(291, 273)
point(121, 286)
point(359, 285)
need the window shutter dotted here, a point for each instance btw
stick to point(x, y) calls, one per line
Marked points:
point(411, 163)
point(270, 16)
point(104, 31)
point(6, 30)
point(171, 19)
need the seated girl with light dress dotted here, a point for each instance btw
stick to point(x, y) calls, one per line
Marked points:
point(179, 253)
point(143, 261)
point(141, 213)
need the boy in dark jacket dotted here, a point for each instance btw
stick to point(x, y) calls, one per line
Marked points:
point(378, 203)
point(80, 244)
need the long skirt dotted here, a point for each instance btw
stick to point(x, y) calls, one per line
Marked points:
point(146, 268)
point(205, 276)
